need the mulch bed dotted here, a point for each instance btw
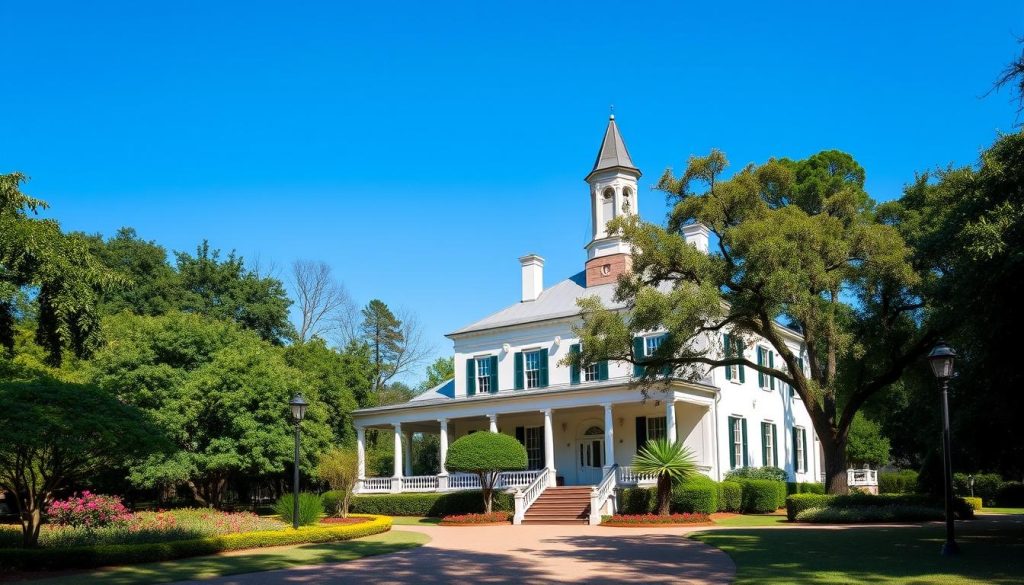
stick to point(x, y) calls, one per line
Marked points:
point(344, 520)
point(654, 524)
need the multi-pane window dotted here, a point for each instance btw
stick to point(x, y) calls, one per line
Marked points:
point(652, 343)
point(483, 374)
point(737, 443)
point(768, 441)
point(532, 369)
point(656, 428)
point(799, 445)
point(590, 373)
point(763, 360)
point(534, 447)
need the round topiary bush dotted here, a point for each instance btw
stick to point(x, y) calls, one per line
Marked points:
point(486, 455)
point(762, 496)
point(699, 494)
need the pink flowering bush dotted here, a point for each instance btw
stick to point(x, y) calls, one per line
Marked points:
point(88, 511)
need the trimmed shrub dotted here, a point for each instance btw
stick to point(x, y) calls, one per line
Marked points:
point(854, 514)
point(486, 454)
point(762, 496)
point(87, 557)
point(430, 504)
point(311, 508)
point(699, 494)
point(1010, 495)
point(730, 496)
point(803, 488)
point(903, 481)
point(88, 511)
point(986, 485)
point(767, 472)
point(800, 502)
point(975, 503)
point(637, 501)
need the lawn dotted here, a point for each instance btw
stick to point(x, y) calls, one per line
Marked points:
point(992, 552)
point(747, 520)
point(414, 520)
point(1001, 511)
point(246, 561)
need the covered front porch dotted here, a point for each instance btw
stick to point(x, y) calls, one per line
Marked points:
point(570, 440)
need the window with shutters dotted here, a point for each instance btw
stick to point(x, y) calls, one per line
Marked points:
point(737, 442)
point(762, 360)
point(533, 366)
point(652, 343)
point(534, 447)
point(799, 449)
point(656, 428)
point(483, 374)
point(768, 441)
point(590, 373)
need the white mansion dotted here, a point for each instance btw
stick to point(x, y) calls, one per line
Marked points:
point(582, 427)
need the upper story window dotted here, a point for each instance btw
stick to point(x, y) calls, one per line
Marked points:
point(765, 357)
point(483, 374)
point(590, 373)
point(533, 368)
point(652, 343)
point(733, 347)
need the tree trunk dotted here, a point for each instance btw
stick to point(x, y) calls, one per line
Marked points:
point(31, 520)
point(835, 466)
point(664, 494)
point(487, 488)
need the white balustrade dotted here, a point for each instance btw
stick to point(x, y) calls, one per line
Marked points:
point(861, 477)
point(419, 483)
point(456, 481)
point(376, 485)
point(626, 476)
point(601, 493)
point(510, 479)
point(525, 498)
point(463, 481)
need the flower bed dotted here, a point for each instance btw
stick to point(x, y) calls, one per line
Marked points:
point(349, 520)
point(477, 519)
point(85, 557)
point(656, 520)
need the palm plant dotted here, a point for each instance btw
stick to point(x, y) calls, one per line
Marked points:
point(669, 462)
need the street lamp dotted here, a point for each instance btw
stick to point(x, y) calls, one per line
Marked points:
point(298, 405)
point(941, 358)
point(970, 481)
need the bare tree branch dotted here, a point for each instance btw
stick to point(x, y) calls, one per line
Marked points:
point(324, 304)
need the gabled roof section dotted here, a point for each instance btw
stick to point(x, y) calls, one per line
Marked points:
point(556, 302)
point(444, 390)
point(613, 153)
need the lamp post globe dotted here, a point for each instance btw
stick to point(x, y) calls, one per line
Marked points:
point(298, 405)
point(943, 359)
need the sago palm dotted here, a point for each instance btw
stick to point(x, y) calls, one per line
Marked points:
point(669, 462)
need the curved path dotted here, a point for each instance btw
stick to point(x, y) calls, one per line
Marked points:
point(524, 554)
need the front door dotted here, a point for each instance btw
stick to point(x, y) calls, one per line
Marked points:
point(591, 457)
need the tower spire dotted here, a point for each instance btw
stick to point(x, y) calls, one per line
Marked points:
point(613, 153)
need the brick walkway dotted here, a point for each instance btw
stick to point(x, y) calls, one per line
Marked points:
point(524, 554)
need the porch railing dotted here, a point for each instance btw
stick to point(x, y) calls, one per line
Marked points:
point(861, 477)
point(376, 485)
point(420, 483)
point(600, 494)
point(526, 497)
point(626, 476)
point(456, 481)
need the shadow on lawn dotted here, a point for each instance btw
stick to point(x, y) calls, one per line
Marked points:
point(992, 551)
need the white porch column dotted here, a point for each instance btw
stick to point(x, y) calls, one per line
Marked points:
point(396, 479)
point(408, 453)
point(443, 440)
point(609, 437)
point(670, 419)
point(549, 447)
point(494, 422)
point(360, 456)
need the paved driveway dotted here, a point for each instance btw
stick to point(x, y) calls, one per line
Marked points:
point(524, 554)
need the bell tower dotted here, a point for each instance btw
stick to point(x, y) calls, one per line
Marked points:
point(613, 193)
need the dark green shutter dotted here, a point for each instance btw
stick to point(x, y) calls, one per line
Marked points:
point(760, 362)
point(518, 359)
point(728, 354)
point(796, 441)
point(545, 355)
point(743, 423)
point(574, 369)
point(803, 437)
point(470, 377)
point(602, 370)
point(771, 364)
point(732, 443)
point(775, 447)
point(765, 460)
point(494, 374)
point(638, 355)
point(641, 432)
point(739, 354)
point(521, 435)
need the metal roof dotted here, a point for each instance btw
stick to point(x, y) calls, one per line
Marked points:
point(613, 151)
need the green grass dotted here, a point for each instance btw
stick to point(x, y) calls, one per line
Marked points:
point(746, 520)
point(992, 552)
point(1001, 511)
point(413, 520)
point(246, 561)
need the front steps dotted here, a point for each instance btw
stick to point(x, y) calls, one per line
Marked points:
point(560, 505)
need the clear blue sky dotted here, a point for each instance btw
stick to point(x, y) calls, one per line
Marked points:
point(420, 148)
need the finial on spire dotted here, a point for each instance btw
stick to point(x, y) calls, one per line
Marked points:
point(611, 111)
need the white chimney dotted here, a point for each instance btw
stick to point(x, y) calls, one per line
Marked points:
point(697, 236)
point(533, 276)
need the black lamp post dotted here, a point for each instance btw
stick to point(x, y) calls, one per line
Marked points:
point(941, 358)
point(298, 405)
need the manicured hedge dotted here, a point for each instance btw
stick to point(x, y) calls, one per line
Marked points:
point(762, 496)
point(804, 488)
point(637, 501)
point(854, 514)
point(430, 504)
point(86, 557)
point(903, 481)
point(986, 485)
point(800, 502)
point(975, 503)
point(730, 496)
point(767, 472)
point(1010, 495)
